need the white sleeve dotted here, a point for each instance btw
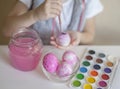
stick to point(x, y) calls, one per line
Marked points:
point(28, 3)
point(94, 7)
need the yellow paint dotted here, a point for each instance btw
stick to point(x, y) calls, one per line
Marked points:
point(91, 80)
point(87, 86)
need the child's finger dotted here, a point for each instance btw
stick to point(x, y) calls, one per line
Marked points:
point(52, 38)
point(75, 42)
point(62, 47)
point(53, 43)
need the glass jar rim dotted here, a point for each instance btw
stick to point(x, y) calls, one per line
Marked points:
point(18, 34)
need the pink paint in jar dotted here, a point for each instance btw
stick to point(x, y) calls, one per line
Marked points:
point(25, 48)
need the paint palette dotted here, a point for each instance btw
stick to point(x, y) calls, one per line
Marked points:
point(96, 71)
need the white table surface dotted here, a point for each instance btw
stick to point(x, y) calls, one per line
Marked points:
point(10, 78)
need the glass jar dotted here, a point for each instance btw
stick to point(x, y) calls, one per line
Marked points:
point(25, 48)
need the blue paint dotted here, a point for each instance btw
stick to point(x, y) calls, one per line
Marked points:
point(83, 69)
point(97, 67)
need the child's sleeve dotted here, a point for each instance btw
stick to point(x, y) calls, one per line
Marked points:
point(94, 7)
point(28, 3)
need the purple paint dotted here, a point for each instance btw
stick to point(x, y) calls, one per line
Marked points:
point(102, 84)
point(99, 88)
point(107, 70)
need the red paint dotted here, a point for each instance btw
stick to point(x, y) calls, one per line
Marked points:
point(105, 77)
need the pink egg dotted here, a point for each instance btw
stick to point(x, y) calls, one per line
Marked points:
point(63, 39)
point(70, 57)
point(50, 62)
point(64, 70)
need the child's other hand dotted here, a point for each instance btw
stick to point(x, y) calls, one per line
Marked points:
point(75, 40)
point(75, 37)
point(49, 9)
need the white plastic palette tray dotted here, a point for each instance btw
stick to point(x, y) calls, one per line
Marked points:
point(96, 71)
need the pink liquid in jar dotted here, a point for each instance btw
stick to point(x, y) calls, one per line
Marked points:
point(25, 49)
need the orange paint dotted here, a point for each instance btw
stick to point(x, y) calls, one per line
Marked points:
point(94, 73)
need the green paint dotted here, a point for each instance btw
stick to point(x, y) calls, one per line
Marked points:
point(86, 63)
point(80, 76)
point(76, 83)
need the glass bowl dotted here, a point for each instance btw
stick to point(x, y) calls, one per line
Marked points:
point(54, 76)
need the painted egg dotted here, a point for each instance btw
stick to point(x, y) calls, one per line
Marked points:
point(63, 39)
point(64, 70)
point(70, 57)
point(50, 62)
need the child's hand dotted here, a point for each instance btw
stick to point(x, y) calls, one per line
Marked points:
point(49, 9)
point(75, 37)
point(75, 40)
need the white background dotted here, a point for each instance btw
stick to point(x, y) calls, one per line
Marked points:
point(10, 78)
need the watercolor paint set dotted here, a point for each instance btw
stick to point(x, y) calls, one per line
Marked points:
point(96, 71)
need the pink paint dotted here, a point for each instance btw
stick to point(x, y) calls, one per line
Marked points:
point(25, 51)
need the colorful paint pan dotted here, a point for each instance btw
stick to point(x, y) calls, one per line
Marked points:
point(102, 55)
point(94, 73)
point(76, 83)
point(107, 70)
point(83, 70)
point(100, 61)
point(80, 76)
point(91, 52)
point(109, 64)
point(99, 88)
point(105, 76)
point(91, 80)
point(97, 67)
point(89, 57)
point(87, 86)
point(102, 84)
point(111, 58)
point(86, 63)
